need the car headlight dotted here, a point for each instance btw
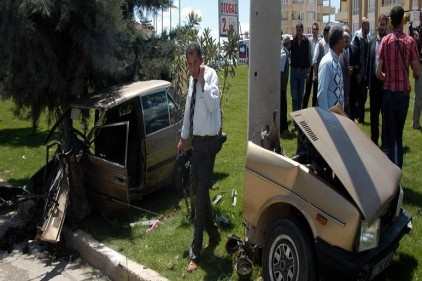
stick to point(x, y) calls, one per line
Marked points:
point(369, 235)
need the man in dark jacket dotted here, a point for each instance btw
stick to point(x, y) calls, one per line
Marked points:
point(361, 41)
point(300, 62)
point(352, 55)
point(373, 83)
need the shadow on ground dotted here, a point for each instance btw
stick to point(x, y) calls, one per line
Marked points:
point(22, 137)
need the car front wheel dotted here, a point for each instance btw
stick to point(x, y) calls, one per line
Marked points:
point(288, 253)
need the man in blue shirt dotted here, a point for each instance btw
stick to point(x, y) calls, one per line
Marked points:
point(330, 75)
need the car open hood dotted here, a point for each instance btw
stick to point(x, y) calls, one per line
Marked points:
point(368, 175)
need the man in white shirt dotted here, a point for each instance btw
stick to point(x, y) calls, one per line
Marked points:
point(202, 122)
point(320, 50)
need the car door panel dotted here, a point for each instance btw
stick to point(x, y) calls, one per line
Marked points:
point(161, 125)
point(161, 155)
point(105, 170)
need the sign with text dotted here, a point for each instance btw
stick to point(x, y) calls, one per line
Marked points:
point(243, 56)
point(228, 11)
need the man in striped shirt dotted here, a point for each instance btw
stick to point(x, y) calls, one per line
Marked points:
point(330, 73)
point(396, 53)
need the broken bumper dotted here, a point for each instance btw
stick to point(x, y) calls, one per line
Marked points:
point(367, 264)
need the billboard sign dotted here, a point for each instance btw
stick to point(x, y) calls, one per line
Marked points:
point(228, 11)
point(243, 57)
point(242, 51)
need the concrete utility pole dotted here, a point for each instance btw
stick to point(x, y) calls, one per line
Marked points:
point(264, 72)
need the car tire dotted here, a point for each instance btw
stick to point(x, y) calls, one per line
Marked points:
point(288, 253)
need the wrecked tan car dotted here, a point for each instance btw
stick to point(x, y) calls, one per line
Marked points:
point(334, 209)
point(129, 138)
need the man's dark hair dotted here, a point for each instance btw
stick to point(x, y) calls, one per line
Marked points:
point(299, 25)
point(396, 15)
point(326, 29)
point(382, 17)
point(315, 24)
point(194, 48)
point(335, 34)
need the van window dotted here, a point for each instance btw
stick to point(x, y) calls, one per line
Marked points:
point(159, 111)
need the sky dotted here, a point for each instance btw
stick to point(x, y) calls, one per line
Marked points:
point(208, 11)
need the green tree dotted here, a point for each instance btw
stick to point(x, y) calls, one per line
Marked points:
point(230, 49)
point(183, 35)
point(54, 51)
point(211, 49)
point(210, 46)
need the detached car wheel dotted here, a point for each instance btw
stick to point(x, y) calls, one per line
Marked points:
point(288, 253)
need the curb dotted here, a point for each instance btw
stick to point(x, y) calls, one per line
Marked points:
point(111, 263)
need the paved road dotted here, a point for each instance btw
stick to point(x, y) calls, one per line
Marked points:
point(32, 260)
point(38, 264)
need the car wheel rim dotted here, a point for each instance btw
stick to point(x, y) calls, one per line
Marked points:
point(284, 259)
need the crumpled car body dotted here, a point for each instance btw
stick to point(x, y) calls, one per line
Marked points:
point(129, 142)
point(333, 207)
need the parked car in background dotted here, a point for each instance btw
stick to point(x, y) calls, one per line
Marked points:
point(334, 209)
point(221, 61)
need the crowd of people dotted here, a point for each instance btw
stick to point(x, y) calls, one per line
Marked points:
point(339, 72)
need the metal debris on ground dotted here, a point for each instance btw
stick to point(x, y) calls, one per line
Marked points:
point(234, 197)
point(244, 268)
point(155, 225)
point(11, 194)
point(233, 243)
point(222, 219)
point(143, 223)
point(171, 266)
point(216, 199)
point(245, 254)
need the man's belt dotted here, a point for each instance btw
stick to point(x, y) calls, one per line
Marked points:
point(202, 138)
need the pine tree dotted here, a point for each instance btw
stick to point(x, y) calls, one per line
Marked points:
point(53, 51)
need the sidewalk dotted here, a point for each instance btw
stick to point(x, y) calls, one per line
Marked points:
point(111, 263)
point(29, 261)
point(32, 260)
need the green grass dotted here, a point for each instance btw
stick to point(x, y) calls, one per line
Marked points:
point(169, 243)
point(21, 153)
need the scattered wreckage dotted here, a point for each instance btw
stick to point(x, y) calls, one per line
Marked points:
point(121, 145)
point(333, 209)
point(326, 209)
